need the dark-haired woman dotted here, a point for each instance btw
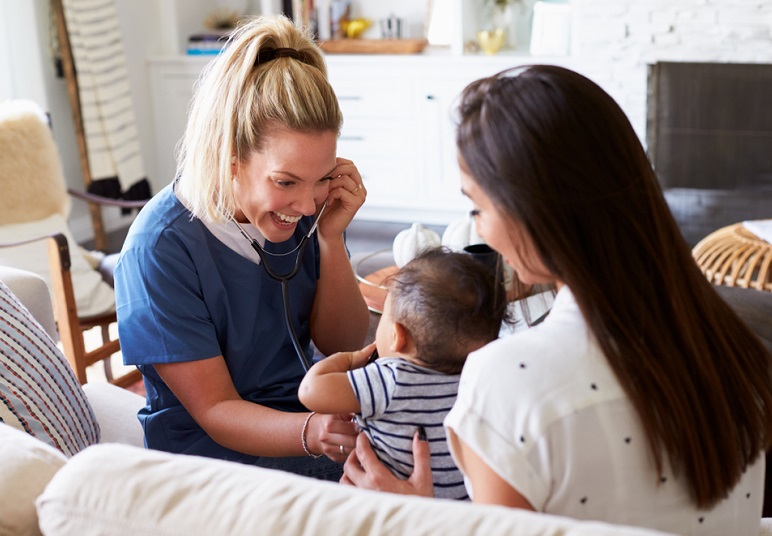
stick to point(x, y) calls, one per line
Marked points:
point(642, 399)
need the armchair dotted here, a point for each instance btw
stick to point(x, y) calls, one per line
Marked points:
point(34, 236)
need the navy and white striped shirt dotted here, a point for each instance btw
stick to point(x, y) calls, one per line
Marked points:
point(396, 397)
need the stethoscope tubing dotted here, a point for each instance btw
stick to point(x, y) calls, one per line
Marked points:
point(284, 279)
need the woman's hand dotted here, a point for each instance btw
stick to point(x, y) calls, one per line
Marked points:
point(363, 469)
point(347, 194)
point(334, 436)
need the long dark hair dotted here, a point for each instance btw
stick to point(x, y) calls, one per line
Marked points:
point(560, 159)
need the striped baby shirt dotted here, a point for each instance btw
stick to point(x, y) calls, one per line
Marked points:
point(396, 397)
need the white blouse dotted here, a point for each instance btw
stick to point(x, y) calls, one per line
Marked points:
point(543, 409)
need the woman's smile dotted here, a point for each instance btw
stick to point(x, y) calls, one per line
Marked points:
point(284, 181)
point(284, 220)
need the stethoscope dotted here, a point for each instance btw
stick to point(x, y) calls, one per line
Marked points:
point(285, 278)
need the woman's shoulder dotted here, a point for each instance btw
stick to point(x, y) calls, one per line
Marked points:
point(561, 338)
point(555, 364)
point(164, 213)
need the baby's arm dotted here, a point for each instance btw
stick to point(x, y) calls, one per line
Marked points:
point(326, 387)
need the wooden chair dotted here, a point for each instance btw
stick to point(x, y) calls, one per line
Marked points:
point(70, 326)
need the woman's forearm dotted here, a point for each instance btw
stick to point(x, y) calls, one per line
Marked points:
point(254, 429)
point(205, 389)
point(339, 319)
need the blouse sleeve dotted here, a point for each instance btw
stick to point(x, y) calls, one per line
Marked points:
point(489, 416)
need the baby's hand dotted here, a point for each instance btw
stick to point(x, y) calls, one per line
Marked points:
point(360, 358)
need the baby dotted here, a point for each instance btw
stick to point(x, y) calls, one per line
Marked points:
point(440, 307)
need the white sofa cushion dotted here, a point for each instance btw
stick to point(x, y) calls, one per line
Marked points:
point(92, 295)
point(26, 466)
point(39, 393)
point(31, 290)
point(116, 411)
point(121, 490)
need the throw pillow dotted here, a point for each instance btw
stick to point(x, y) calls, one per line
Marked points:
point(92, 295)
point(26, 467)
point(39, 393)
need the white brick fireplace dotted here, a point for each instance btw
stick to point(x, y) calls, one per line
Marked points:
point(615, 40)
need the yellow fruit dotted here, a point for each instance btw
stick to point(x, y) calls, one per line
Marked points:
point(355, 27)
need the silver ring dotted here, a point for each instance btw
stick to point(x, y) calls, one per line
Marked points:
point(342, 450)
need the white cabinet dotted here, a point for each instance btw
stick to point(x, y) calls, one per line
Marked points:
point(171, 83)
point(379, 131)
point(399, 129)
point(398, 125)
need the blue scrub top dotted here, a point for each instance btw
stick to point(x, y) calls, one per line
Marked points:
point(182, 295)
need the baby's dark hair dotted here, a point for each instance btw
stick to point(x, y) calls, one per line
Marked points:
point(451, 303)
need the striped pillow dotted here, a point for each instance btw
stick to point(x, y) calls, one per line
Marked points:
point(39, 393)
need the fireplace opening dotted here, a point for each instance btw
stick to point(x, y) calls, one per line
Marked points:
point(709, 138)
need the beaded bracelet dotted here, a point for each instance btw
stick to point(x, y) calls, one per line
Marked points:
point(303, 437)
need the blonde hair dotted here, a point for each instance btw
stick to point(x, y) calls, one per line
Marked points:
point(241, 95)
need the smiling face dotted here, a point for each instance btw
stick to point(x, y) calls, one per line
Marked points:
point(285, 180)
point(505, 235)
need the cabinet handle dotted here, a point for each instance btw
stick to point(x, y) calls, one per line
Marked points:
point(352, 138)
point(349, 97)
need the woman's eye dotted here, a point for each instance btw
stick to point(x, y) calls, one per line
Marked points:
point(326, 179)
point(285, 184)
point(474, 212)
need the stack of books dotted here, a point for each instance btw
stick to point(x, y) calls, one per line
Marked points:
point(206, 43)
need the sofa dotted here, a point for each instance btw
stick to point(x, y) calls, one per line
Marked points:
point(102, 481)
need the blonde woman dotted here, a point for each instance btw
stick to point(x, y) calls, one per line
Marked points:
point(198, 309)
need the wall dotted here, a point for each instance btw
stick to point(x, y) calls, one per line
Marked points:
point(615, 40)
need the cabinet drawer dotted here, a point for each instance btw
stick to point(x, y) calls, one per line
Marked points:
point(374, 98)
point(377, 137)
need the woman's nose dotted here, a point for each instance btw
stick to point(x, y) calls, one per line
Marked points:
point(307, 205)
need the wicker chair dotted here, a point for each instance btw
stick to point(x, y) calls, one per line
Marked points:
point(734, 257)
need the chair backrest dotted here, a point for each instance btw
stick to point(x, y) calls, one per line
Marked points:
point(35, 203)
point(31, 176)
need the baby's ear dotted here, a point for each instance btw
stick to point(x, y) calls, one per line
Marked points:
point(402, 339)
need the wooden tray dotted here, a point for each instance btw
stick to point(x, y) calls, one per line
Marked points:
point(373, 46)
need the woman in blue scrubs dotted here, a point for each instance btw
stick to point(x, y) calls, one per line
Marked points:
point(197, 313)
